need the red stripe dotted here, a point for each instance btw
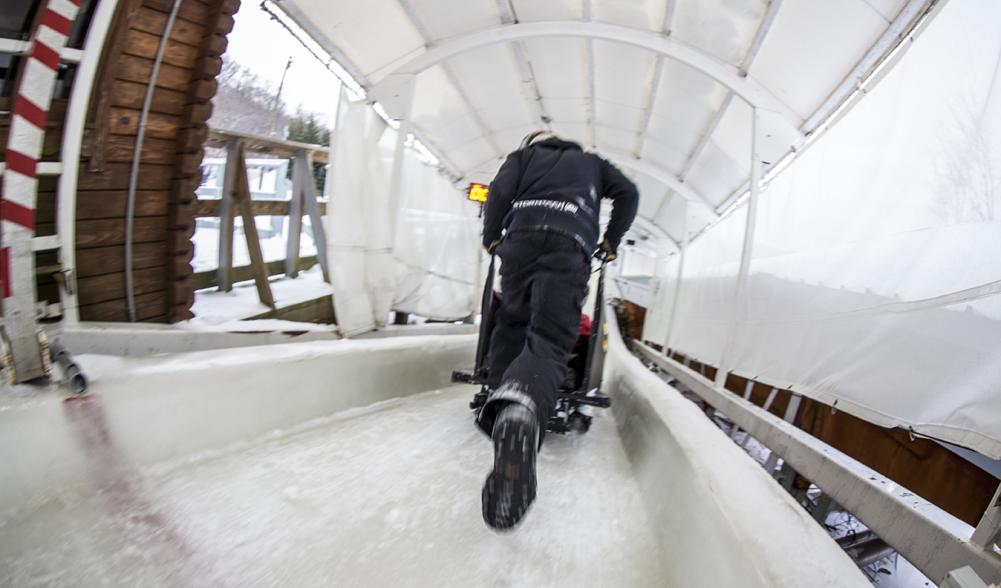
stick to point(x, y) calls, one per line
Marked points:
point(48, 56)
point(27, 110)
point(17, 214)
point(76, 3)
point(21, 163)
point(5, 271)
point(56, 21)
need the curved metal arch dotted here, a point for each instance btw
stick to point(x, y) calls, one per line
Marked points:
point(746, 88)
point(661, 175)
point(655, 229)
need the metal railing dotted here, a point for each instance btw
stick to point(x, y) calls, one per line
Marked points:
point(926, 535)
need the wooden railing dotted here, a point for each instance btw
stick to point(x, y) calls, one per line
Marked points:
point(236, 199)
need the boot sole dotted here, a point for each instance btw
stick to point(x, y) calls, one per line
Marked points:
point(509, 490)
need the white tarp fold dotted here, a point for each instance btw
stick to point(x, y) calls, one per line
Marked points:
point(437, 250)
point(428, 264)
point(358, 234)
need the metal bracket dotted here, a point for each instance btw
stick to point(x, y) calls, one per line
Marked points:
point(964, 577)
point(989, 528)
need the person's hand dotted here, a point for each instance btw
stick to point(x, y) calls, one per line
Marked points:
point(606, 252)
point(493, 246)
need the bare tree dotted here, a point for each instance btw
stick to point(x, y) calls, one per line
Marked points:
point(967, 168)
point(246, 103)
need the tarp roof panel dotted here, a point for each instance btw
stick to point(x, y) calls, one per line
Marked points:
point(559, 66)
point(725, 163)
point(489, 74)
point(615, 139)
point(828, 36)
point(351, 23)
point(653, 192)
point(664, 155)
point(535, 11)
point(723, 28)
point(638, 14)
point(446, 18)
point(622, 73)
point(612, 115)
point(475, 109)
point(670, 216)
point(686, 97)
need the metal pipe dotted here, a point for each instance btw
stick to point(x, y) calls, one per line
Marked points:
point(72, 374)
point(853, 539)
point(677, 282)
point(869, 551)
point(739, 306)
point(130, 208)
point(76, 115)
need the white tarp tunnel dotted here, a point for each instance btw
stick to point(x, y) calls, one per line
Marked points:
point(867, 283)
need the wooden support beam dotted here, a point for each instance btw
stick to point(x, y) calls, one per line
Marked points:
point(207, 279)
point(275, 147)
point(294, 236)
point(241, 198)
point(304, 161)
point(211, 208)
point(226, 215)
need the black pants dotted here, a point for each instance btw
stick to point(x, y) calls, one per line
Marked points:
point(544, 279)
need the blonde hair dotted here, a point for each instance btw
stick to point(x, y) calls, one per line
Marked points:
point(535, 137)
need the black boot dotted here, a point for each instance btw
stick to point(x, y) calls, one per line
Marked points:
point(510, 488)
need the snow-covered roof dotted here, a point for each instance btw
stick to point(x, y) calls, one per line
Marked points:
point(661, 87)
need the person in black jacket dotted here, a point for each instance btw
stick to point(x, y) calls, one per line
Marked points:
point(541, 219)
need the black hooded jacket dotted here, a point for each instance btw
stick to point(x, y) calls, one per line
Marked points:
point(553, 185)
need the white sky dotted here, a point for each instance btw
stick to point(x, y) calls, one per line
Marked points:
point(264, 46)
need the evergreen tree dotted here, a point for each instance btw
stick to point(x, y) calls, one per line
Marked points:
point(305, 128)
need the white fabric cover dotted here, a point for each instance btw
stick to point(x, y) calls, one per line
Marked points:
point(358, 234)
point(875, 282)
point(429, 265)
point(437, 250)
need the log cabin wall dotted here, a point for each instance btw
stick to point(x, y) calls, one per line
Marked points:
point(171, 157)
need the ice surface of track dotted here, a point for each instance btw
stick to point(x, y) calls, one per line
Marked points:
point(386, 496)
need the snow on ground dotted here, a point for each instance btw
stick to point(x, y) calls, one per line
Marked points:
point(384, 497)
point(272, 232)
point(214, 308)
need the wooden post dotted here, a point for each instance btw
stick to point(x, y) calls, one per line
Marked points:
point(241, 198)
point(308, 183)
point(234, 160)
point(292, 241)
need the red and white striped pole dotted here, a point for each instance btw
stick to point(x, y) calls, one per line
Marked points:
point(20, 188)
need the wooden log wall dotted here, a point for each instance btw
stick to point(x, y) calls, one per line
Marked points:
point(171, 157)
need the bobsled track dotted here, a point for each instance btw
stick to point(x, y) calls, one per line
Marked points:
point(355, 463)
point(241, 254)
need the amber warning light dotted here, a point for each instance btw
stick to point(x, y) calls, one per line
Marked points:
point(477, 192)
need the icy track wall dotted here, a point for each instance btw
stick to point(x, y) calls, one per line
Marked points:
point(722, 520)
point(157, 408)
point(717, 518)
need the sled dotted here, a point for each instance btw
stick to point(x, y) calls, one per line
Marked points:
point(577, 397)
